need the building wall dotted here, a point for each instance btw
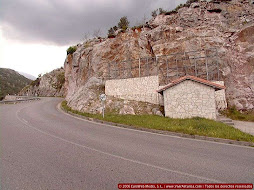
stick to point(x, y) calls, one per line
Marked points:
point(139, 89)
point(220, 97)
point(190, 99)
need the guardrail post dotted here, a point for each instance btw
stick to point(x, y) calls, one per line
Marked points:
point(218, 70)
point(139, 67)
point(195, 62)
point(109, 71)
point(206, 66)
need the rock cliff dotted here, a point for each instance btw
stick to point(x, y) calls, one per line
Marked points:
point(50, 84)
point(227, 26)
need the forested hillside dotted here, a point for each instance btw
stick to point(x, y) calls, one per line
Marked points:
point(11, 82)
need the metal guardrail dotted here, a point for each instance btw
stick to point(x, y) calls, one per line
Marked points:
point(18, 100)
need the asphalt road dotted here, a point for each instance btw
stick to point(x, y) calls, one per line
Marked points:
point(44, 148)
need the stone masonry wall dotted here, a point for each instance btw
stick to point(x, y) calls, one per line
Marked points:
point(220, 97)
point(160, 97)
point(190, 99)
point(139, 89)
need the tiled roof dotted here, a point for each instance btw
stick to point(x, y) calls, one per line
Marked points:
point(196, 79)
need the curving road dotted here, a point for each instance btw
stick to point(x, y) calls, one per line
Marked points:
point(44, 148)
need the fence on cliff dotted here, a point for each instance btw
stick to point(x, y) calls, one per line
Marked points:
point(202, 63)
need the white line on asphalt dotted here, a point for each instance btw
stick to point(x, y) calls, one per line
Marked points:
point(25, 120)
point(136, 130)
point(116, 156)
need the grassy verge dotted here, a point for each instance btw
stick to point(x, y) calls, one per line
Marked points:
point(193, 126)
point(234, 114)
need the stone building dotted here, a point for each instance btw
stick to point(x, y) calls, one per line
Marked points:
point(190, 96)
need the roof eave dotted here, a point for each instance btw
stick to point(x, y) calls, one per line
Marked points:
point(215, 86)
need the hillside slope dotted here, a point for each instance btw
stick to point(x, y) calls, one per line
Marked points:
point(11, 82)
point(50, 84)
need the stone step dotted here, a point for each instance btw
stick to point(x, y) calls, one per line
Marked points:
point(229, 123)
point(225, 120)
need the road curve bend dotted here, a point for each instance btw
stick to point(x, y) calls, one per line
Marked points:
point(44, 148)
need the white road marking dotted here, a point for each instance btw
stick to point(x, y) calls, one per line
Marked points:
point(24, 120)
point(116, 156)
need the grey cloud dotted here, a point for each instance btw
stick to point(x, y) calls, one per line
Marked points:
point(66, 22)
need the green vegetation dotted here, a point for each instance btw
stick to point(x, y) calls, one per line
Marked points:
point(162, 11)
point(111, 32)
point(194, 126)
point(87, 44)
point(11, 82)
point(123, 23)
point(154, 13)
point(71, 50)
point(36, 82)
point(221, 1)
point(137, 27)
point(60, 81)
point(25, 88)
point(115, 28)
point(234, 114)
point(188, 2)
point(158, 11)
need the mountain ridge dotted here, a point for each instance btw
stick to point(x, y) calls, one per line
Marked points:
point(29, 76)
point(11, 82)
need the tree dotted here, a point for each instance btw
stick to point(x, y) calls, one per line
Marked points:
point(123, 23)
point(154, 13)
point(179, 7)
point(161, 11)
point(115, 28)
point(188, 2)
point(71, 50)
point(111, 32)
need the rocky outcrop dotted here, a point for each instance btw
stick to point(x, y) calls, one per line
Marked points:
point(87, 99)
point(227, 26)
point(127, 110)
point(50, 84)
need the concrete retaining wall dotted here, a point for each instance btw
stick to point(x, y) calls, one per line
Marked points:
point(139, 89)
point(220, 97)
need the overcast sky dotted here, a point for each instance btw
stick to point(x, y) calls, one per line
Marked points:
point(34, 34)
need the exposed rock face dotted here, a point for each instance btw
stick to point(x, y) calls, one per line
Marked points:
point(157, 111)
point(227, 26)
point(50, 84)
point(87, 99)
point(127, 110)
